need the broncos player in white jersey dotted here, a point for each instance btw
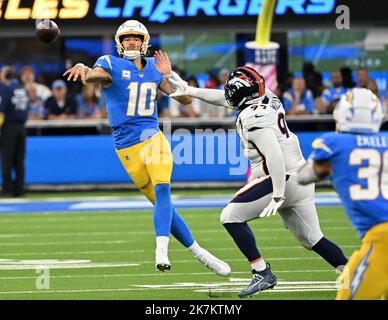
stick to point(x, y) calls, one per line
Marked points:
point(275, 157)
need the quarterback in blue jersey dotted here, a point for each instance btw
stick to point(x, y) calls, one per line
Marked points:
point(129, 83)
point(356, 158)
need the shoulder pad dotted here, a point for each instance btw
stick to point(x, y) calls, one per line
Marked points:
point(258, 116)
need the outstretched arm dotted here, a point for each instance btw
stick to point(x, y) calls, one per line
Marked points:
point(212, 96)
point(86, 74)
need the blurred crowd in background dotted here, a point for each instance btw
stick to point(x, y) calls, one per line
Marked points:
point(301, 95)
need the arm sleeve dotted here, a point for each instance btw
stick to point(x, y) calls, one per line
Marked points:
point(324, 148)
point(265, 140)
point(212, 96)
point(104, 62)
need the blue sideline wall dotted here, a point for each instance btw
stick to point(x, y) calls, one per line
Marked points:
point(92, 159)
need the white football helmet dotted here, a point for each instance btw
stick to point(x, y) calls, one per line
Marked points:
point(358, 110)
point(133, 27)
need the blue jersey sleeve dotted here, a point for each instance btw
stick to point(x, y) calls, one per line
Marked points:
point(104, 62)
point(324, 147)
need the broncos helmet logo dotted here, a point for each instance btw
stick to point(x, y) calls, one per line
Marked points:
point(243, 85)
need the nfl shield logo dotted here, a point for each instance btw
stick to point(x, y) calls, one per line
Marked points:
point(126, 74)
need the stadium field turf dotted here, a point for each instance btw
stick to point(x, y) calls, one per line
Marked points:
point(110, 255)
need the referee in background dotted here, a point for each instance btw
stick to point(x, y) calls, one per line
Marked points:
point(13, 116)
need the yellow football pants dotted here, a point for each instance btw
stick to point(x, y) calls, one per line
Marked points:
point(365, 276)
point(148, 163)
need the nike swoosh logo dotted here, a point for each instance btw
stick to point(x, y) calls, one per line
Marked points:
point(257, 116)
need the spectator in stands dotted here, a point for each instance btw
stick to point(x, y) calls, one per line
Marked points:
point(27, 76)
point(284, 83)
point(362, 77)
point(347, 78)
point(90, 103)
point(331, 95)
point(35, 103)
point(212, 82)
point(213, 111)
point(13, 115)
point(60, 105)
point(298, 100)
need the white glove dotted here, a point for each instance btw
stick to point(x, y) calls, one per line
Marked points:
point(272, 208)
point(180, 86)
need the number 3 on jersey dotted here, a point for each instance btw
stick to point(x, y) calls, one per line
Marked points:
point(375, 174)
point(142, 99)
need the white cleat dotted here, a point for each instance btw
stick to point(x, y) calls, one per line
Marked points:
point(213, 263)
point(162, 263)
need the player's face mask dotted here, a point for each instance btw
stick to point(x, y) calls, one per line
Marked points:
point(359, 110)
point(132, 28)
point(245, 86)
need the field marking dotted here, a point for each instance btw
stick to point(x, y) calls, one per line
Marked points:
point(156, 274)
point(13, 264)
point(283, 286)
point(60, 243)
point(152, 232)
point(125, 263)
point(107, 233)
point(148, 251)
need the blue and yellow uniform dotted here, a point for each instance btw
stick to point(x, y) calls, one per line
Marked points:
point(333, 94)
point(359, 165)
point(132, 112)
point(141, 147)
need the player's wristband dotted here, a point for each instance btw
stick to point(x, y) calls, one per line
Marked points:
point(167, 76)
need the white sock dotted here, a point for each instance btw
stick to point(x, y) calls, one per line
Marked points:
point(258, 264)
point(195, 248)
point(162, 243)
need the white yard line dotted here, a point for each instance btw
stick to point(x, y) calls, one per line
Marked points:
point(130, 233)
point(156, 274)
point(53, 253)
point(283, 286)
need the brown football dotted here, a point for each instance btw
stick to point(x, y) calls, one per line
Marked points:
point(47, 31)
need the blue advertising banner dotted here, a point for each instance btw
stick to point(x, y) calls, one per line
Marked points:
point(92, 159)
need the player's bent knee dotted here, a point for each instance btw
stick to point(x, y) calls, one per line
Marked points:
point(310, 240)
point(227, 216)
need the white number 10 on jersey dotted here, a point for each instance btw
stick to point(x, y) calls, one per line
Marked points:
point(138, 99)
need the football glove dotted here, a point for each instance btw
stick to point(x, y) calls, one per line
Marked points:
point(180, 86)
point(272, 208)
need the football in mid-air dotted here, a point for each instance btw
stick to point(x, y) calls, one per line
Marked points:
point(47, 31)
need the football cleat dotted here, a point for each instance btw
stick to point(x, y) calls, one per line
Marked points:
point(261, 280)
point(162, 263)
point(213, 263)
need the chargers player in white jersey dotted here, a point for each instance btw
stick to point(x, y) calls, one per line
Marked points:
point(275, 156)
point(356, 159)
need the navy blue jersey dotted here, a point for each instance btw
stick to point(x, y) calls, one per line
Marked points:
point(359, 173)
point(14, 102)
point(131, 99)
